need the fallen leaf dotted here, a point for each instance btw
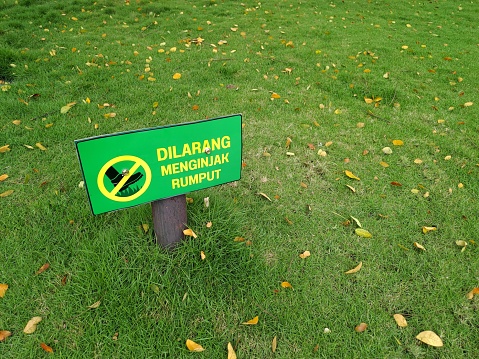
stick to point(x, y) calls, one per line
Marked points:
point(275, 95)
point(387, 150)
point(177, 76)
point(356, 221)
point(3, 289)
point(462, 244)
point(155, 288)
point(398, 143)
point(6, 193)
point(193, 347)
point(397, 184)
point(47, 348)
point(264, 196)
point(426, 229)
point(40, 146)
point(231, 352)
point(305, 254)
point(32, 325)
point(361, 327)
point(418, 161)
point(209, 224)
point(363, 233)
point(400, 320)
point(3, 177)
point(351, 188)
point(95, 305)
point(286, 285)
point(274, 345)
point(43, 268)
point(189, 232)
point(290, 154)
point(4, 334)
point(418, 246)
point(239, 239)
point(288, 142)
point(384, 164)
point(351, 175)
point(145, 227)
point(430, 338)
point(467, 104)
point(252, 321)
point(67, 107)
point(4, 149)
point(202, 255)
point(472, 293)
point(355, 269)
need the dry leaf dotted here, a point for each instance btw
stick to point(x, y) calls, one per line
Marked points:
point(67, 107)
point(4, 149)
point(3, 289)
point(355, 269)
point(286, 285)
point(43, 268)
point(189, 232)
point(239, 239)
point(361, 327)
point(356, 221)
point(387, 150)
point(467, 104)
point(305, 254)
point(95, 305)
point(351, 188)
point(6, 193)
point(418, 246)
point(264, 196)
point(40, 146)
point(288, 142)
point(275, 95)
point(430, 338)
point(418, 161)
point(47, 348)
point(274, 345)
point(252, 321)
point(426, 229)
point(363, 233)
point(472, 293)
point(3, 177)
point(202, 255)
point(231, 352)
point(397, 184)
point(4, 334)
point(209, 224)
point(351, 175)
point(177, 76)
point(193, 347)
point(400, 320)
point(384, 164)
point(398, 143)
point(32, 325)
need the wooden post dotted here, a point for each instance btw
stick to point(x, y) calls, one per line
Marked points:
point(169, 220)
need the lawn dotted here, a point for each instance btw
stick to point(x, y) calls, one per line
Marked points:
point(359, 152)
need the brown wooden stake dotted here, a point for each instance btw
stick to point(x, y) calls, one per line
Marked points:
point(169, 220)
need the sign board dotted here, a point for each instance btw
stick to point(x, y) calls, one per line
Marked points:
point(126, 169)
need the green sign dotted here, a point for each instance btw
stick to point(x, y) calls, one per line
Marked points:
point(130, 168)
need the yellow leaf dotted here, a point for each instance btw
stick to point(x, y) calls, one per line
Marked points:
point(274, 345)
point(40, 146)
point(155, 104)
point(3, 289)
point(461, 243)
point(426, 229)
point(67, 107)
point(400, 320)
point(231, 352)
point(3, 177)
point(275, 95)
point(145, 227)
point(351, 188)
point(418, 246)
point(338, 111)
point(355, 269)
point(368, 100)
point(467, 104)
point(351, 175)
point(16, 122)
point(189, 232)
point(418, 161)
point(415, 191)
point(473, 292)
point(177, 76)
point(264, 196)
point(4, 149)
point(286, 285)
point(384, 164)
point(288, 142)
point(6, 193)
point(430, 338)
point(193, 347)
point(252, 321)
point(239, 239)
point(32, 325)
point(387, 150)
point(305, 254)
point(4, 334)
point(202, 255)
point(398, 143)
point(95, 305)
point(363, 233)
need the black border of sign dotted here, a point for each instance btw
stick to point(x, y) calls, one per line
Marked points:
point(144, 130)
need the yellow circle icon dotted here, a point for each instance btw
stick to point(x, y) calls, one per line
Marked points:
point(137, 163)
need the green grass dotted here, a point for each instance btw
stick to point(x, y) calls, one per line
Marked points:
point(314, 55)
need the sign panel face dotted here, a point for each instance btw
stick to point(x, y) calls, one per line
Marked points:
point(130, 168)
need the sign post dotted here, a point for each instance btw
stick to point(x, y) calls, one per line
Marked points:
point(160, 165)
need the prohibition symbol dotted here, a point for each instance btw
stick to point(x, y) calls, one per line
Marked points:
point(124, 179)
